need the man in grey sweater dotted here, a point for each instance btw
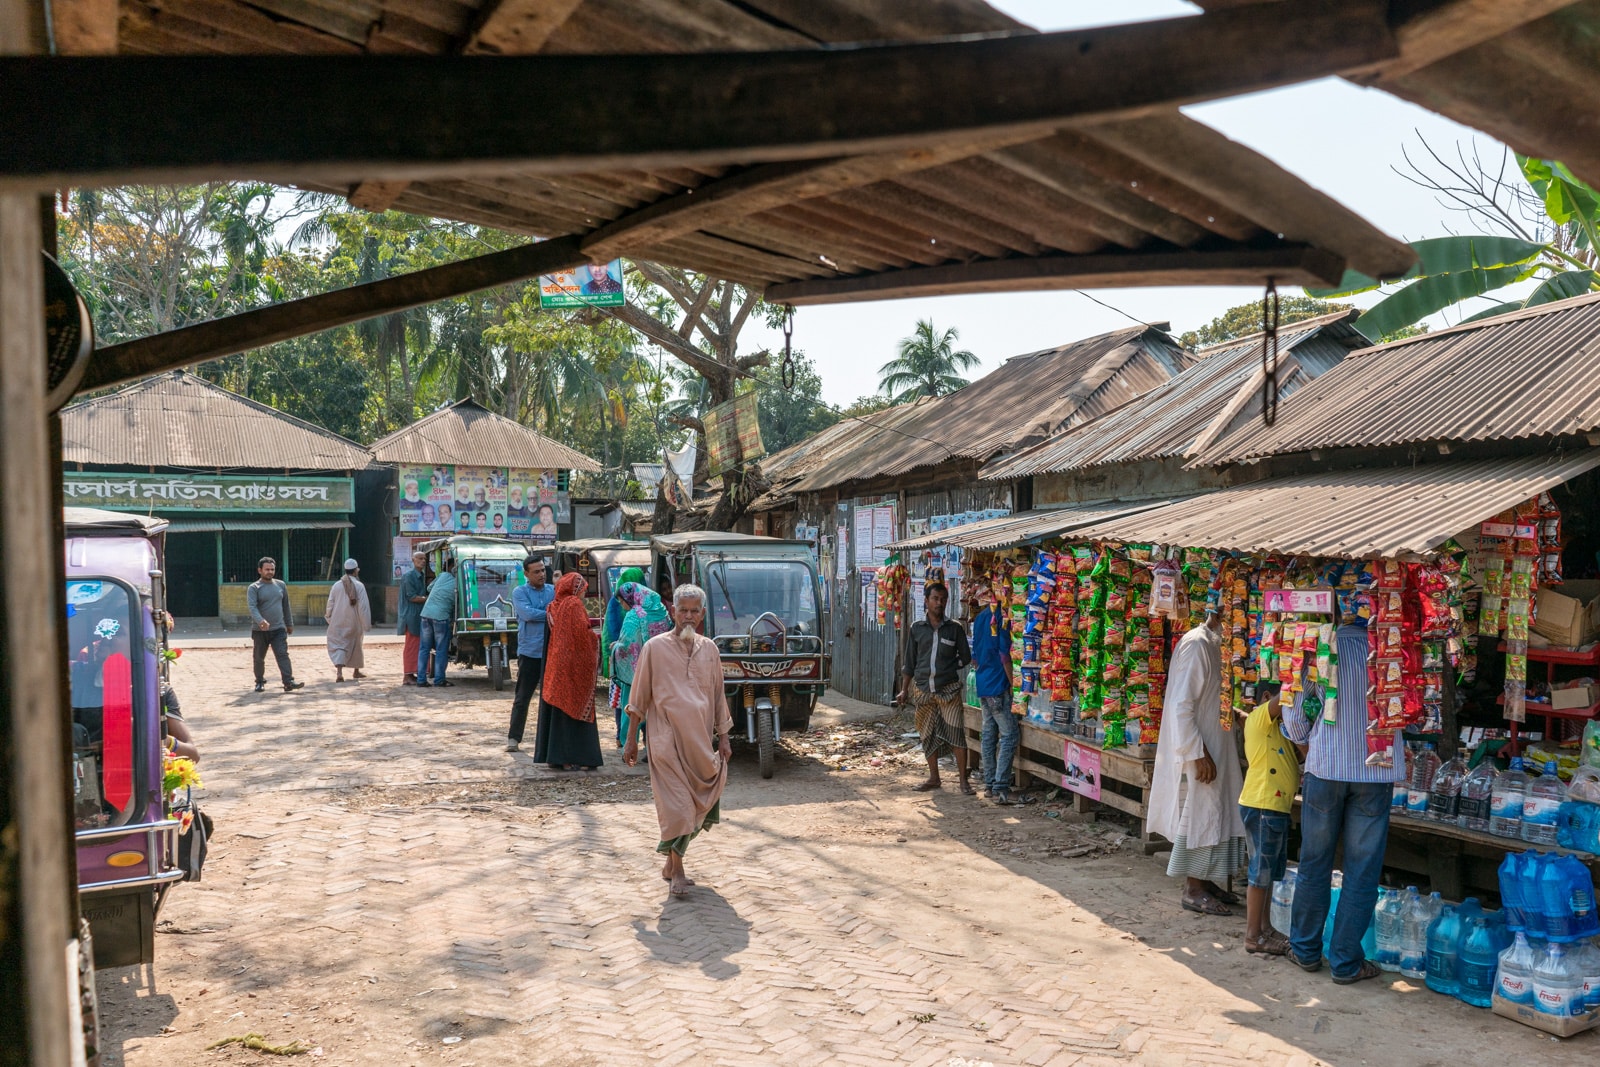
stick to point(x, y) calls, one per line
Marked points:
point(272, 624)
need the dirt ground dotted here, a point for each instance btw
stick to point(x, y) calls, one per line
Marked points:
point(388, 886)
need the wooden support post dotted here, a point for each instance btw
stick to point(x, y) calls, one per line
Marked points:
point(36, 861)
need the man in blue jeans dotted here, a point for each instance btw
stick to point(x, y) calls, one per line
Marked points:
point(1343, 801)
point(437, 612)
point(991, 658)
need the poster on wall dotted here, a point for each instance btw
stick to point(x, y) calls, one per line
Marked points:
point(841, 553)
point(427, 497)
point(1083, 769)
point(882, 533)
point(403, 547)
point(522, 500)
point(861, 544)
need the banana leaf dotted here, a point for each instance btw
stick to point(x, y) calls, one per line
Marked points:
point(1428, 295)
point(1445, 255)
point(1568, 283)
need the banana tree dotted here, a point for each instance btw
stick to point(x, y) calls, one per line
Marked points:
point(1451, 270)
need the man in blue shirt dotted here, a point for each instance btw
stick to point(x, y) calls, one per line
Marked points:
point(437, 611)
point(1343, 800)
point(991, 658)
point(530, 602)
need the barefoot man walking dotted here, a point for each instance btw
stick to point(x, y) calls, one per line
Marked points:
point(677, 691)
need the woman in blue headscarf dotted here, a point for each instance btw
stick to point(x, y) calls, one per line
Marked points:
point(610, 628)
point(645, 618)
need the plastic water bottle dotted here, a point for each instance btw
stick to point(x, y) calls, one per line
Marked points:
point(1443, 933)
point(1415, 917)
point(1423, 769)
point(1477, 789)
point(1511, 893)
point(1389, 919)
point(1505, 806)
point(1475, 968)
point(1283, 901)
point(1444, 795)
point(1585, 962)
point(1530, 865)
point(1514, 978)
point(1541, 805)
point(1556, 989)
point(1397, 799)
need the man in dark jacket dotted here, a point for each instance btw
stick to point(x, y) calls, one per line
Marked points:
point(413, 594)
point(936, 651)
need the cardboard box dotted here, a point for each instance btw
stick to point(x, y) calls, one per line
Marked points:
point(1569, 617)
point(1550, 1024)
point(1578, 696)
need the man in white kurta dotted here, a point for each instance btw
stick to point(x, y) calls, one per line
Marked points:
point(349, 618)
point(1194, 790)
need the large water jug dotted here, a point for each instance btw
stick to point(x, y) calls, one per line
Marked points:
point(1476, 965)
point(1514, 977)
point(1511, 893)
point(1580, 897)
point(1369, 939)
point(1505, 805)
point(1585, 962)
point(1530, 865)
point(1444, 795)
point(1541, 805)
point(1389, 919)
point(1283, 901)
point(1443, 933)
point(1423, 769)
point(1555, 900)
point(1556, 989)
point(1415, 919)
point(1477, 791)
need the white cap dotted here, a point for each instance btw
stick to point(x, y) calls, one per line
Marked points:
point(350, 565)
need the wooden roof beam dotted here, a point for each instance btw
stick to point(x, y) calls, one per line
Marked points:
point(232, 334)
point(1287, 264)
point(71, 121)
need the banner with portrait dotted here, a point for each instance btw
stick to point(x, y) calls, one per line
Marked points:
point(427, 499)
point(594, 284)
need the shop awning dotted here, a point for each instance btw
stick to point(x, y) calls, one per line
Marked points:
point(1395, 512)
point(283, 522)
point(1021, 528)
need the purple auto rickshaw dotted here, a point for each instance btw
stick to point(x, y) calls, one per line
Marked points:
point(127, 838)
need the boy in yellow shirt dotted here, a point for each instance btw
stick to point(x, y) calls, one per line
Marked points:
point(1270, 783)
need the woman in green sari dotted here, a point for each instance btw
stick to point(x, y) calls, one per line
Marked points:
point(610, 630)
point(643, 618)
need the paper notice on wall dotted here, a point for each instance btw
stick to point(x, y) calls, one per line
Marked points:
point(882, 534)
point(841, 554)
point(861, 546)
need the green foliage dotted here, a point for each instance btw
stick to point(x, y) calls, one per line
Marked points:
point(789, 416)
point(928, 364)
point(1453, 270)
point(1245, 319)
point(866, 405)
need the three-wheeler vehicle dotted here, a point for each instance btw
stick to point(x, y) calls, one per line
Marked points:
point(601, 561)
point(487, 570)
point(764, 611)
point(127, 835)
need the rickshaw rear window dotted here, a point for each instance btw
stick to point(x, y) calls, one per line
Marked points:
point(103, 649)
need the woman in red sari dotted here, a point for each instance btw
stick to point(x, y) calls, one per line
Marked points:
point(567, 737)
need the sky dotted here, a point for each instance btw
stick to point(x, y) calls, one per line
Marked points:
point(1335, 136)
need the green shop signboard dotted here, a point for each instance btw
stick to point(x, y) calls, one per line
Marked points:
point(157, 493)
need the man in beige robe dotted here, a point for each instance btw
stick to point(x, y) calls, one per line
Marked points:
point(677, 690)
point(349, 618)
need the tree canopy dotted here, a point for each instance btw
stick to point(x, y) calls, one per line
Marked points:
point(927, 364)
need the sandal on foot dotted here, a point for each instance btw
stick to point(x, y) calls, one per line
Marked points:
point(1368, 969)
point(1306, 965)
point(926, 787)
point(1273, 944)
point(966, 787)
point(1206, 904)
point(1227, 896)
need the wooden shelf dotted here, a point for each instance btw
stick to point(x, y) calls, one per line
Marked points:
point(1539, 707)
point(1590, 658)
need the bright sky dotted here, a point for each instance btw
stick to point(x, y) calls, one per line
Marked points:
point(1335, 136)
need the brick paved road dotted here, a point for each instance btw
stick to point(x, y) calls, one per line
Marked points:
point(392, 888)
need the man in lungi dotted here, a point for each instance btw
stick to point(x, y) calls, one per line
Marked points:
point(936, 651)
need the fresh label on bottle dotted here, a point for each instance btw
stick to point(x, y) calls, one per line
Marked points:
point(1515, 987)
point(1507, 806)
point(1552, 1000)
point(1540, 811)
point(1417, 802)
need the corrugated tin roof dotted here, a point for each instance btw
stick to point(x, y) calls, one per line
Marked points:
point(1022, 528)
point(182, 420)
point(1181, 414)
point(1019, 402)
point(1535, 373)
point(469, 434)
point(1394, 512)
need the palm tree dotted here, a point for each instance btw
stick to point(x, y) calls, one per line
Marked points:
point(928, 364)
